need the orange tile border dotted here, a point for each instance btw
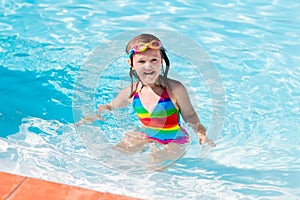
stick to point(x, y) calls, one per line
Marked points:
point(15, 187)
point(9, 183)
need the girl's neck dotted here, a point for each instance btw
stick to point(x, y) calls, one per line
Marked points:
point(150, 86)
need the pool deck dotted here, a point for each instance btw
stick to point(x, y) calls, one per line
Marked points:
point(15, 187)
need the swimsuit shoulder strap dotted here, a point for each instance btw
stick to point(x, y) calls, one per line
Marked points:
point(170, 94)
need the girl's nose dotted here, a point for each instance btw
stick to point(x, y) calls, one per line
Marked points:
point(148, 65)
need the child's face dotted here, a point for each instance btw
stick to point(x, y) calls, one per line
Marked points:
point(148, 65)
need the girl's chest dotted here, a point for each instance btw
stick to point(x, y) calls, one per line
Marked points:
point(149, 100)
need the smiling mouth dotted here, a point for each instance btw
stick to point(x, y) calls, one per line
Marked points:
point(149, 73)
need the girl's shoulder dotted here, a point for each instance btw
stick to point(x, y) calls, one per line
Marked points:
point(124, 94)
point(126, 89)
point(175, 90)
point(174, 85)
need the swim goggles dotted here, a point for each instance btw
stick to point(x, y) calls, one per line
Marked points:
point(142, 47)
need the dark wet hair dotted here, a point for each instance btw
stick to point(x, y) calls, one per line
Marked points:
point(145, 38)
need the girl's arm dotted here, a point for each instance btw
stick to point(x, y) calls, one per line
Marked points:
point(188, 112)
point(121, 100)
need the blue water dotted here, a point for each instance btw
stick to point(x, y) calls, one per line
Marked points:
point(254, 45)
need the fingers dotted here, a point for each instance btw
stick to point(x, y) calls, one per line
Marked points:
point(79, 122)
point(210, 143)
point(86, 120)
point(204, 139)
point(101, 108)
point(90, 119)
point(104, 107)
point(83, 121)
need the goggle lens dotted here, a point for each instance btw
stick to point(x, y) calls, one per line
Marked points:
point(142, 47)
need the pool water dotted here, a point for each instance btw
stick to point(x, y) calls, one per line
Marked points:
point(254, 45)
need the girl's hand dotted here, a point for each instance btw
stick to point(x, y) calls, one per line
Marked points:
point(87, 120)
point(201, 131)
point(104, 107)
point(90, 119)
point(204, 139)
point(100, 110)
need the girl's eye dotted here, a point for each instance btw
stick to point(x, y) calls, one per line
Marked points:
point(154, 60)
point(141, 61)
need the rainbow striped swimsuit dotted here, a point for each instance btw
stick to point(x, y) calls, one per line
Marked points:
point(163, 124)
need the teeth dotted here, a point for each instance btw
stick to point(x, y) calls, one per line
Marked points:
point(148, 73)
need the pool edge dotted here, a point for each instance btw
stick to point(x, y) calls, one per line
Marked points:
point(21, 187)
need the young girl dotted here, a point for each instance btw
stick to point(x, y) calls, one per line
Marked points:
point(158, 101)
